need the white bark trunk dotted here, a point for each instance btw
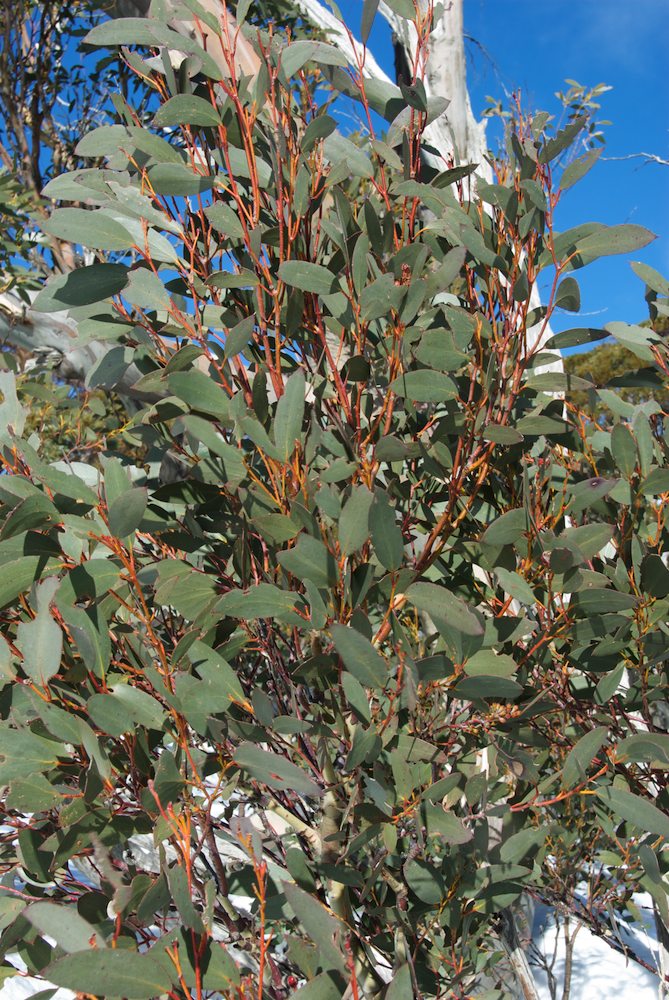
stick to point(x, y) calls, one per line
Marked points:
point(456, 132)
point(52, 338)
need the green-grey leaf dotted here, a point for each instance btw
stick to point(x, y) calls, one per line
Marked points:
point(425, 386)
point(64, 925)
point(23, 753)
point(568, 295)
point(142, 708)
point(273, 770)
point(320, 924)
point(359, 656)
point(33, 793)
point(225, 220)
point(562, 140)
point(515, 585)
point(185, 588)
point(587, 539)
point(90, 229)
point(41, 639)
point(599, 600)
point(401, 987)
point(575, 338)
point(178, 179)
point(215, 672)
point(656, 482)
point(289, 416)
point(307, 277)
point(655, 576)
point(17, 575)
point(82, 287)
point(369, 9)
point(200, 391)
point(652, 278)
point(636, 339)
point(579, 168)
point(311, 560)
point(186, 109)
point(126, 512)
point(579, 758)
point(633, 809)
point(507, 529)
point(609, 684)
point(297, 54)
point(482, 686)
point(609, 240)
point(36, 511)
point(444, 824)
point(354, 520)
point(119, 973)
point(386, 532)
point(244, 278)
point(322, 987)
point(318, 128)
point(624, 451)
point(649, 747)
point(151, 32)
point(262, 601)
point(109, 715)
point(491, 664)
point(441, 605)
point(500, 434)
point(425, 881)
point(90, 640)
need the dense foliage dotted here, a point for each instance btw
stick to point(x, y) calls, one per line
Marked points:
point(361, 635)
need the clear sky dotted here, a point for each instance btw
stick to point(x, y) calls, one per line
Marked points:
point(535, 45)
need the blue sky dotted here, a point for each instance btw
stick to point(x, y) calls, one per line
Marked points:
point(535, 45)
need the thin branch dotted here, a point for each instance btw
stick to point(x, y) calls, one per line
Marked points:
point(648, 157)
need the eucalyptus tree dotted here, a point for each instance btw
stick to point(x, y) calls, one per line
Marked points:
point(311, 717)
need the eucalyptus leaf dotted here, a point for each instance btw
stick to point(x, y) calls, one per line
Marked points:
point(289, 415)
point(308, 277)
point(633, 809)
point(386, 533)
point(359, 656)
point(82, 287)
point(113, 972)
point(354, 520)
point(579, 759)
point(277, 772)
point(126, 512)
point(92, 229)
point(425, 386)
point(186, 109)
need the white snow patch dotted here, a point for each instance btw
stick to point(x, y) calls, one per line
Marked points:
point(599, 972)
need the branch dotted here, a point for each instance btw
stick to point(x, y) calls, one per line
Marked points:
point(354, 50)
point(437, 133)
point(648, 157)
point(53, 337)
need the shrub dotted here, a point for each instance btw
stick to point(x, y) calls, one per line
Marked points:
point(373, 640)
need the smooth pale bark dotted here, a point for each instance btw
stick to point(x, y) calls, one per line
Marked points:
point(456, 132)
point(52, 338)
point(244, 58)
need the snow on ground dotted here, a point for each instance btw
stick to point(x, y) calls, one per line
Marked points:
point(22, 987)
point(600, 972)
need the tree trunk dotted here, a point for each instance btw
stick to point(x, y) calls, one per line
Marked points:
point(456, 132)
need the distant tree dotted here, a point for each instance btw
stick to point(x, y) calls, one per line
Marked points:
point(608, 367)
